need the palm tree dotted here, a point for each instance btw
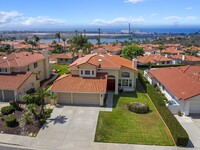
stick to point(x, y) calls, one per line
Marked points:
point(99, 39)
point(57, 35)
point(76, 33)
point(84, 31)
point(42, 93)
point(64, 40)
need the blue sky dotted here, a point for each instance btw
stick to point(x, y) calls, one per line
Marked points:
point(52, 14)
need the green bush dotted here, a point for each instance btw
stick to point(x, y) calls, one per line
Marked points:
point(15, 104)
point(7, 110)
point(179, 134)
point(138, 108)
point(28, 118)
point(47, 113)
point(11, 121)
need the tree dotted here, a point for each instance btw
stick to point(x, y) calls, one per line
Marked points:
point(132, 51)
point(26, 40)
point(99, 37)
point(64, 40)
point(57, 35)
point(36, 38)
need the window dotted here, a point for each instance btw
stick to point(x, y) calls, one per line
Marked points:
point(125, 75)
point(92, 72)
point(87, 72)
point(125, 83)
point(35, 65)
point(3, 70)
point(81, 72)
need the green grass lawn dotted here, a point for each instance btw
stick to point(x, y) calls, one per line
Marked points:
point(63, 68)
point(123, 126)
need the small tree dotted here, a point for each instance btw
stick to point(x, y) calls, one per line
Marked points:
point(57, 35)
point(132, 51)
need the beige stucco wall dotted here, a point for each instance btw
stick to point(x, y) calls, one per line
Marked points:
point(74, 72)
point(87, 66)
point(31, 82)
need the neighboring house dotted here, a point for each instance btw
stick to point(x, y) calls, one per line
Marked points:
point(36, 62)
point(155, 59)
point(178, 59)
point(20, 72)
point(15, 85)
point(149, 49)
point(92, 76)
point(171, 51)
point(65, 58)
point(108, 48)
point(181, 86)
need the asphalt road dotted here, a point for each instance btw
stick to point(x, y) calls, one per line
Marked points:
point(8, 147)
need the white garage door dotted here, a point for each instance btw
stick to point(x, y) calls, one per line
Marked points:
point(86, 99)
point(195, 107)
point(64, 98)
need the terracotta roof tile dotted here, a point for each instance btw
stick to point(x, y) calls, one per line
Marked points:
point(178, 82)
point(20, 59)
point(69, 83)
point(13, 81)
point(153, 58)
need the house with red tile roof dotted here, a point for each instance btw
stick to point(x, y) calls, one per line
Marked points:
point(92, 76)
point(171, 51)
point(108, 48)
point(181, 86)
point(64, 58)
point(155, 59)
point(182, 58)
point(150, 48)
point(23, 71)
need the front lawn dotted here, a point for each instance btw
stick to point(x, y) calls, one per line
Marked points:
point(62, 69)
point(123, 126)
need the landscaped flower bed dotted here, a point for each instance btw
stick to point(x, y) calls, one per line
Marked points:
point(25, 118)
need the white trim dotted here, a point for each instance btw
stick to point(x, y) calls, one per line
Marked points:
point(84, 75)
point(78, 92)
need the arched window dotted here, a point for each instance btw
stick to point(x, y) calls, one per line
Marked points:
point(125, 75)
point(111, 77)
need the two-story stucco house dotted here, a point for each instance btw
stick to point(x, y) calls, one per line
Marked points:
point(22, 71)
point(92, 76)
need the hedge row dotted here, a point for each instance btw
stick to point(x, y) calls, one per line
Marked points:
point(179, 134)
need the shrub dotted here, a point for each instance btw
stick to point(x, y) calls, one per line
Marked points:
point(7, 110)
point(138, 108)
point(11, 121)
point(47, 113)
point(34, 99)
point(28, 118)
point(15, 105)
point(179, 134)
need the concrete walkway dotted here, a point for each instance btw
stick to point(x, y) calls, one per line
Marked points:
point(109, 102)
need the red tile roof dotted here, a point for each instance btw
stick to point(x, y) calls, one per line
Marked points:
point(171, 50)
point(178, 81)
point(109, 47)
point(187, 58)
point(153, 58)
point(104, 61)
point(13, 81)
point(20, 59)
point(69, 83)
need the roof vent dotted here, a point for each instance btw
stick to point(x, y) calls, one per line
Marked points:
point(4, 57)
point(102, 56)
point(26, 54)
point(100, 60)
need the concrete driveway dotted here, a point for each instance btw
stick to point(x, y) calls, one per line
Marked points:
point(66, 125)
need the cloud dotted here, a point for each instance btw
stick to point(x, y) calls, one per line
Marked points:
point(118, 21)
point(173, 18)
point(41, 20)
point(133, 1)
point(7, 17)
point(189, 8)
point(153, 15)
point(189, 18)
point(14, 18)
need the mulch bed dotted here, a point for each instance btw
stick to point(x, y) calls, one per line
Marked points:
point(21, 129)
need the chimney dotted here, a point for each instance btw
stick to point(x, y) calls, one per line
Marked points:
point(183, 57)
point(80, 53)
point(166, 55)
point(47, 65)
point(134, 63)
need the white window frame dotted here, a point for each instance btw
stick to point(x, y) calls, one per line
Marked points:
point(3, 70)
point(130, 80)
point(82, 73)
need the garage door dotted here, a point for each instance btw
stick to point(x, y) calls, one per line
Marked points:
point(9, 95)
point(64, 98)
point(195, 107)
point(86, 99)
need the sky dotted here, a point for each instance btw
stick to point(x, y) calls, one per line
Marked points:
point(61, 14)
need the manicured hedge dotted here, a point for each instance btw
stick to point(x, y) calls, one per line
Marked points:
point(11, 121)
point(179, 134)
